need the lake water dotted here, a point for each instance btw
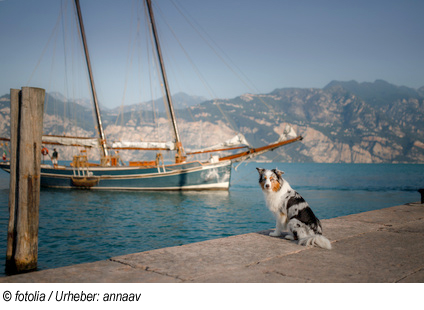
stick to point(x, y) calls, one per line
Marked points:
point(86, 226)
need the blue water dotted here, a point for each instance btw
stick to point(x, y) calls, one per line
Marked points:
point(86, 226)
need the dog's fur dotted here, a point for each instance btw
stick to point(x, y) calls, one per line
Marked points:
point(292, 212)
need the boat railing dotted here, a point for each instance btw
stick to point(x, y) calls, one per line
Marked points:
point(159, 159)
point(80, 166)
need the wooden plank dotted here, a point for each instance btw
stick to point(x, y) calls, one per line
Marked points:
point(24, 197)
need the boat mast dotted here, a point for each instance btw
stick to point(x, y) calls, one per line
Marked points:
point(179, 157)
point(93, 89)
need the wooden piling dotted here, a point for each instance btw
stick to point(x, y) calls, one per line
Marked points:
point(26, 128)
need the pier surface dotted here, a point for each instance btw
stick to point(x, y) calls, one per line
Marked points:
point(384, 245)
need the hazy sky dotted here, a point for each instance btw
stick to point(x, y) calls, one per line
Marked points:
point(268, 44)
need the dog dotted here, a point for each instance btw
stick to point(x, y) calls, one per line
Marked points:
point(292, 212)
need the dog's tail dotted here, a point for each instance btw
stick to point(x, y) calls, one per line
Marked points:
point(316, 240)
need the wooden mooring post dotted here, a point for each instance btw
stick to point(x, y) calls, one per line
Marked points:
point(26, 128)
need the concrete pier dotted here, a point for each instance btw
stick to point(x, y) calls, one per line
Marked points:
point(381, 246)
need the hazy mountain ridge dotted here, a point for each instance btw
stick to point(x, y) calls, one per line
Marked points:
point(343, 122)
point(179, 100)
point(339, 123)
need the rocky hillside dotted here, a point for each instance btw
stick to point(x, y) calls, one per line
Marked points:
point(345, 122)
point(179, 100)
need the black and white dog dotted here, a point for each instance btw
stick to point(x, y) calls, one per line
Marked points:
point(292, 212)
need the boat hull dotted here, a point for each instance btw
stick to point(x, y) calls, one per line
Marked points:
point(186, 176)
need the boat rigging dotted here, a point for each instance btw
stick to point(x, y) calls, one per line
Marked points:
point(110, 174)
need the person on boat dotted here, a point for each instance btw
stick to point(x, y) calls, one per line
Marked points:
point(4, 155)
point(55, 156)
point(44, 152)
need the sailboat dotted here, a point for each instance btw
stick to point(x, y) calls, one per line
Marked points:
point(111, 174)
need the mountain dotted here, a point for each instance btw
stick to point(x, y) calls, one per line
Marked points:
point(343, 122)
point(84, 102)
point(60, 117)
point(180, 101)
point(346, 122)
point(421, 91)
point(399, 105)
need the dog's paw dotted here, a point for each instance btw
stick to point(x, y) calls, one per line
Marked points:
point(289, 237)
point(275, 233)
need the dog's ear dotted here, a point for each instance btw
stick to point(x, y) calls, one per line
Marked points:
point(278, 172)
point(260, 170)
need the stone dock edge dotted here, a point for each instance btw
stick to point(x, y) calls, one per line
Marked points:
point(380, 246)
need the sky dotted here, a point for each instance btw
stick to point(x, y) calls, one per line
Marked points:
point(233, 46)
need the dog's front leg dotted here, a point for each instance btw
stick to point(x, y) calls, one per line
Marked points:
point(280, 226)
